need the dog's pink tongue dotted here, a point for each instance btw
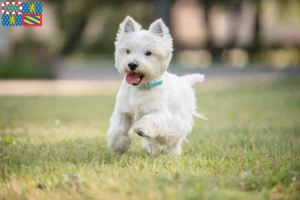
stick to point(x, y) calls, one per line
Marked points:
point(132, 78)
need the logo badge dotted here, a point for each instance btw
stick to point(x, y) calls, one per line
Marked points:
point(11, 8)
point(22, 13)
point(32, 7)
point(32, 20)
point(11, 20)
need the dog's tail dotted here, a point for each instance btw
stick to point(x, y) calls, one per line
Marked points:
point(196, 114)
point(191, 79)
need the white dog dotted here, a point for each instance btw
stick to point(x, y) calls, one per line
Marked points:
point(157, 105)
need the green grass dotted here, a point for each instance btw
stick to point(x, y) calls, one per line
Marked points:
point(55, 148)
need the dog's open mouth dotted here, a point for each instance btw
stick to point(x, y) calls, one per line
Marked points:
point(134, 78)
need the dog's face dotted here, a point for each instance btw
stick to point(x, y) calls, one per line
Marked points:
point(142, 55)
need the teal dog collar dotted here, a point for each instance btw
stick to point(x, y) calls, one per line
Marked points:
point(150, 85)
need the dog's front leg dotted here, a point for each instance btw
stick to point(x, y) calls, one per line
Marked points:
point(160, 124)
point(117, 134)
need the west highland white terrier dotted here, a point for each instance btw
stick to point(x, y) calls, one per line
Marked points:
point(153, 103)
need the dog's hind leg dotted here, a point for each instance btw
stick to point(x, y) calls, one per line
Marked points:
point(175, 149)
point(117, 134)
point(163, 144)
point(152, 147)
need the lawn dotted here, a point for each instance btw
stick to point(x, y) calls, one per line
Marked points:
point(55, 148)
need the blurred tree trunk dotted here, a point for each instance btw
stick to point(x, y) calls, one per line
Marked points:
point(77, 28)
point(162, 10)
point(207, 8)
point(235, 9)
point(215, 51)
point(59, 6)
point(79, 22)
point(257, 27)
point(74, 36)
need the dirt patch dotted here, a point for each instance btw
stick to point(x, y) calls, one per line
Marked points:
point(57, 87)
point(109, 87)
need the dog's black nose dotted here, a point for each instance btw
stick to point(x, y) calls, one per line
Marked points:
point(132, 66)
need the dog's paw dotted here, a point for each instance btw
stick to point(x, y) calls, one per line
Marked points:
point(141, 130)
point(119, 143)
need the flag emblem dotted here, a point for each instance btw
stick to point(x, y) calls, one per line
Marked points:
point(32, 7)
point(22, 13)
point(11, 8)
point(11, 20)
point(31, 20)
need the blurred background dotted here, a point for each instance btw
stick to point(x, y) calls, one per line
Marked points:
point(53, 146)
point(220, 37)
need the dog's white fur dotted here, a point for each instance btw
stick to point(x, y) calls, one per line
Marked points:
point(162, 115)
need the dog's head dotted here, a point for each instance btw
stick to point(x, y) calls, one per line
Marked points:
point(142, 55)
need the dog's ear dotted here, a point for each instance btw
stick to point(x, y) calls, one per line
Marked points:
point(128, 26)
point(159, 28)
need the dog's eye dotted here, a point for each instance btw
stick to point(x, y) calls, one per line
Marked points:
point(148, 53)
point(128, 51)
